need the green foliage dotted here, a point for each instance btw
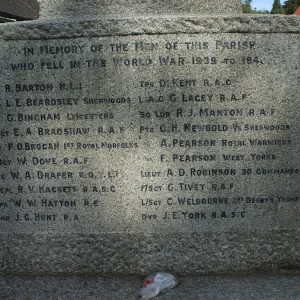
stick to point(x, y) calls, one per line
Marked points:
point(246, 6)
point(277, 8)
point(290, 6)
point(265, 11)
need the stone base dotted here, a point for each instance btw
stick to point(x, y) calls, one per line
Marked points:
point(193, 253)
point(256, 287)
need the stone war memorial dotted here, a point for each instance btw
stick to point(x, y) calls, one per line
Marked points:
point(149, 135)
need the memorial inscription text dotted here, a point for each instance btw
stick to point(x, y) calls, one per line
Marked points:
point(148, 132)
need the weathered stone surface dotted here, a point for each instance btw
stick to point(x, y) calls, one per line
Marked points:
point(135, 145)
point(122, 253)
point(93, 27)
point(133, 8)
point(20, 9)
point(259, 287)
